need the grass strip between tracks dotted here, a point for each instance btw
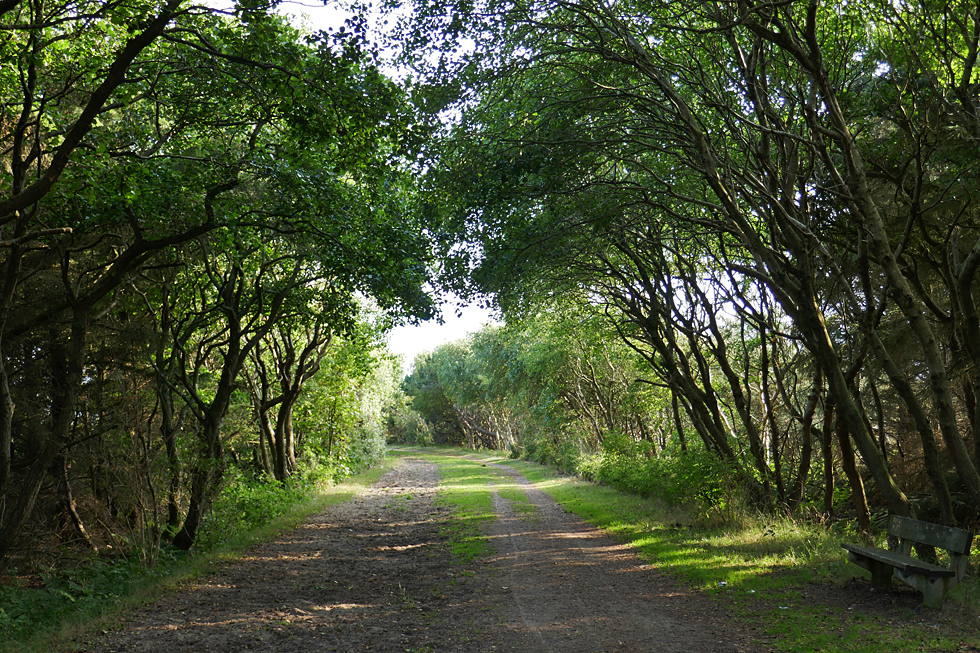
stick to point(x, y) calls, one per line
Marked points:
point(758, 568)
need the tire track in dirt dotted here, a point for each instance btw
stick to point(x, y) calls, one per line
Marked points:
point(371, 574)
point(374, 574)
point(576, 589)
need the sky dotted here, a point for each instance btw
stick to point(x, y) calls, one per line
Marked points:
point(314, 13)
point(410, 341)
point(458, 321)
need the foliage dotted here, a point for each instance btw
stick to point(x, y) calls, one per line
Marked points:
point(190, 191)
point(694, 481)
point(88, 590)
point(246, 503)
point(763, 203)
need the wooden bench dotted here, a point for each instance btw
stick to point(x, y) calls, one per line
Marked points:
point(930, 579)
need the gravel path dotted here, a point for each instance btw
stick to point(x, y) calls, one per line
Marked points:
point(575, 589)
point(373, 574)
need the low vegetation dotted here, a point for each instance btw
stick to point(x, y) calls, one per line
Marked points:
point(762, 568)
point(54, 604)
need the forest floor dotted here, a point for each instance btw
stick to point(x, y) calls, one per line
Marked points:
point(375, 574)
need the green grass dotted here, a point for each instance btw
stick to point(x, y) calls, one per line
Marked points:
point(97, 595)
point(515, 494)
point(757, 568)
point(465, 488)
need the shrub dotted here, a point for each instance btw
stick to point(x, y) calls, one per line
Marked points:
point(245, 503)
point(86, 589)
point(678, 479)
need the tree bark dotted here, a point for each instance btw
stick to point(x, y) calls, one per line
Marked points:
point(853, 478)
point(795, 495)
point(829, 428)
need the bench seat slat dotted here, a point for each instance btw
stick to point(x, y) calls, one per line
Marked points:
point(903, 562)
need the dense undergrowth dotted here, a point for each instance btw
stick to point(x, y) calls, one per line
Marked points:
point(697, 481)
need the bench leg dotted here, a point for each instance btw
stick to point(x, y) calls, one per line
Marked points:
point(881, 573)
point(932, 593)
point(933, 589)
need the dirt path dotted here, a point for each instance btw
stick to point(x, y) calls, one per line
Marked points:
point(373, 575)
point(576, 589)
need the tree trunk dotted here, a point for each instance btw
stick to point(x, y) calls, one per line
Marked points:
point(69, 505)
point(930, 448)
point(677, 421)
point(829, 420)
point(6, 426)
point(853, 478)
point(63, 414)
point(206, 476)
point(795, 495)
point(811, 323)
point(209, 468)
point(770, 417)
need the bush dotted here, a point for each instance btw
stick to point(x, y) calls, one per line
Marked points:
point(678, 479)
point(247, 502)
point(88, 589)
point(408, 426)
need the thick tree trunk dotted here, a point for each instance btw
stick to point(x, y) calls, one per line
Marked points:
point(11, 516)
point(266, 445)
point(6, 426)
point(285, 452)
point(173, 487)
point(209, 468)
point(207, 473)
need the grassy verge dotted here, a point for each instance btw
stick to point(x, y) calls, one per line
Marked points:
point(98, 596)
point(467, 488)
point(763, 570)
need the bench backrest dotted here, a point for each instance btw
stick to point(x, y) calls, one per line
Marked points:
point(955, 540)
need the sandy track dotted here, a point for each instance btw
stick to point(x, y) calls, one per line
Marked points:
point(373, 575)
point(575, 589)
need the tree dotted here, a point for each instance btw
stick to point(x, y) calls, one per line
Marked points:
point(656, 143)
point(281, 365)
point(189, 125)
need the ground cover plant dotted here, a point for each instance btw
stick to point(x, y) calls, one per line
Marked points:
point(786, 574)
